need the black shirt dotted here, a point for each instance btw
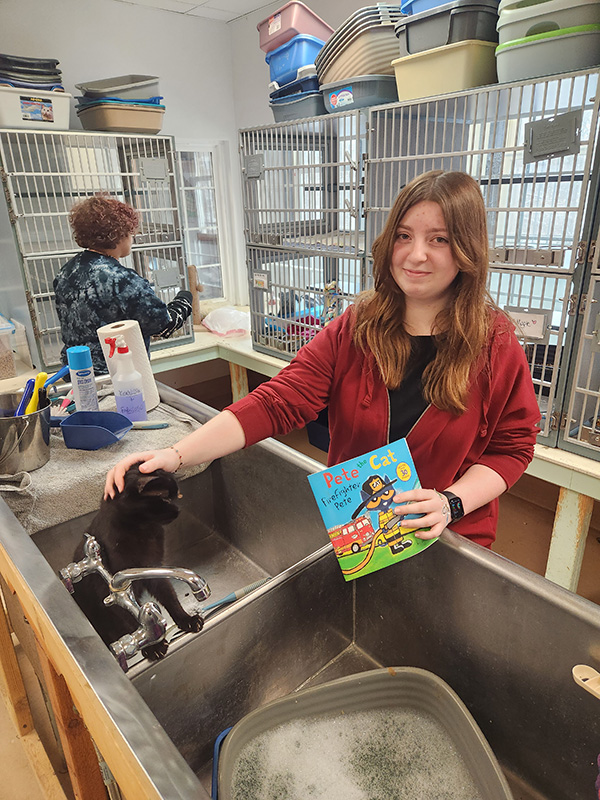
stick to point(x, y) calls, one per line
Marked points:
point(407, 402)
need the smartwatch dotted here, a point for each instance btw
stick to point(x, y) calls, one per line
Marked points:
point(456, 507)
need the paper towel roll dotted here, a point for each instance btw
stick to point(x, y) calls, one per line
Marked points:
point(130, 330)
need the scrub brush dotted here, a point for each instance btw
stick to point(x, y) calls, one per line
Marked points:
point(233, 596)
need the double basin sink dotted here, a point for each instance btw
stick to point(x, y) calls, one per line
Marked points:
point(502, 637)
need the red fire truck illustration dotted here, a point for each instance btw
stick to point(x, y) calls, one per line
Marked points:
point(352, 536)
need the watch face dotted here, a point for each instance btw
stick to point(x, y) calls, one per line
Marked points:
point(456, 508)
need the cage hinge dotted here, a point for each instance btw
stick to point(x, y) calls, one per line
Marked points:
point(580, 251)
point(558, 420)
point(572, 309)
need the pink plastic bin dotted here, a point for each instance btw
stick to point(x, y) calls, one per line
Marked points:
point(288, 21)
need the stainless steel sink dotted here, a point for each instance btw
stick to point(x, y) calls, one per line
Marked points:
point(503, 638)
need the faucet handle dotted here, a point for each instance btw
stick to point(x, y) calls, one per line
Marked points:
point(67, 577)
point(72, 573)
point(91, 547)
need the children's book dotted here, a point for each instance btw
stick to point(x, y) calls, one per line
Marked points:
point(356, 501)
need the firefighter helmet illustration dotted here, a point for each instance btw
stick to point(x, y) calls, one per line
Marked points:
point(377, 494)
point(373, 491)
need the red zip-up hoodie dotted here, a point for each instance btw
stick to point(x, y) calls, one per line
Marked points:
point(498, 428)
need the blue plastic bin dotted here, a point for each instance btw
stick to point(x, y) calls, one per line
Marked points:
point(310, 84)
point(416, 6)
point(285, 61)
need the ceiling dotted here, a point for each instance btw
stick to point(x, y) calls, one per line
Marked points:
point(224, 10)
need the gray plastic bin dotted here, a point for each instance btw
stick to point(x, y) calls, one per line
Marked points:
point(137, 87)
point(450, 23)
point(298, 107)
point(396, 689)
point(359, 92)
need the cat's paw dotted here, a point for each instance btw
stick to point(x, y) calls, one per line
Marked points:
point(154, 652)
point(191, 623)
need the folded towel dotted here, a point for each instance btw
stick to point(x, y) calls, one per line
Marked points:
point(71, 483)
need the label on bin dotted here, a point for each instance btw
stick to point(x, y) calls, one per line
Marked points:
point(342, 97)
point(274, 24)
point(36, 108)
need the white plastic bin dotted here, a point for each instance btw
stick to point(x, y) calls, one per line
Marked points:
point(564, 50)
point(520, 18)
point(451, 68)
point(32, 108)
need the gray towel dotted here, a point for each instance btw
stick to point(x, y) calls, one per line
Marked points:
point(71, 483)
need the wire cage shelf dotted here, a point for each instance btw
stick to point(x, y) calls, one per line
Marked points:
point(531, 147)
point(303, 181)
point(45, 174)
point(294, 294)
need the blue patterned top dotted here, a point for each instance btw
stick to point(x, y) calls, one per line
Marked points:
point(92, 290)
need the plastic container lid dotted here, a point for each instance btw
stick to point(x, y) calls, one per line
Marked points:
point(108, 86)
point(79, 357)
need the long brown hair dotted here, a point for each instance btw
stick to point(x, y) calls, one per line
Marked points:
point(461, 329)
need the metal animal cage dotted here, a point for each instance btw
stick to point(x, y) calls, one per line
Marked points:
point(580, 423)
point(294, 294)
point(304, 227)
point(44, 174)
point(531, 147)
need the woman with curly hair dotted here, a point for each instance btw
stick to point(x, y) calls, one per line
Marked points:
point(94, 289)
point(424, 355)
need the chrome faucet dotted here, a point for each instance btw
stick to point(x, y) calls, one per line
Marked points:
point(152, 624)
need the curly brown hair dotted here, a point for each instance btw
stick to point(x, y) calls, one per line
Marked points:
point(102, 222)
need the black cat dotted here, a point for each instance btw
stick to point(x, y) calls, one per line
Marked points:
point(130, 531)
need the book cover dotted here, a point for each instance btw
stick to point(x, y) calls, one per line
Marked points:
point(356, 502)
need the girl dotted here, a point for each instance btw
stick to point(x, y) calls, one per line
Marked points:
point(424, 355)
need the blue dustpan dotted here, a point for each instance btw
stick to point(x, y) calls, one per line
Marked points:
point(91, 430)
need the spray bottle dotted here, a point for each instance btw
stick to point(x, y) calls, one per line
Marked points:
point(126, 381)
point(79, 359)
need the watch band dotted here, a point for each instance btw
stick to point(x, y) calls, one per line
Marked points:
point(456, 507)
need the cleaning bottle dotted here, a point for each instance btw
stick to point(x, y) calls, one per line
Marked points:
point(85, 395)
point(127, 381)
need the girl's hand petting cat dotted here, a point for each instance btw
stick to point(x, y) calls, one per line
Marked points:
point(149, 461)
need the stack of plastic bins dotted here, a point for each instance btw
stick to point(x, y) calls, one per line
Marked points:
point(543, 37)
point(300, 98)
point(32, 94)
point(128, 103)
point(364, 44)
point(22, 72)
point(446, 49)
point(291, 38)
point(289, 64)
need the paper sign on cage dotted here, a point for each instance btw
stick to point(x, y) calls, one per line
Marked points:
point(356, 502)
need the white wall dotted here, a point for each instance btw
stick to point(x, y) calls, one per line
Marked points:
point(250, 71)
point(192, 56)
point(96, 39)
